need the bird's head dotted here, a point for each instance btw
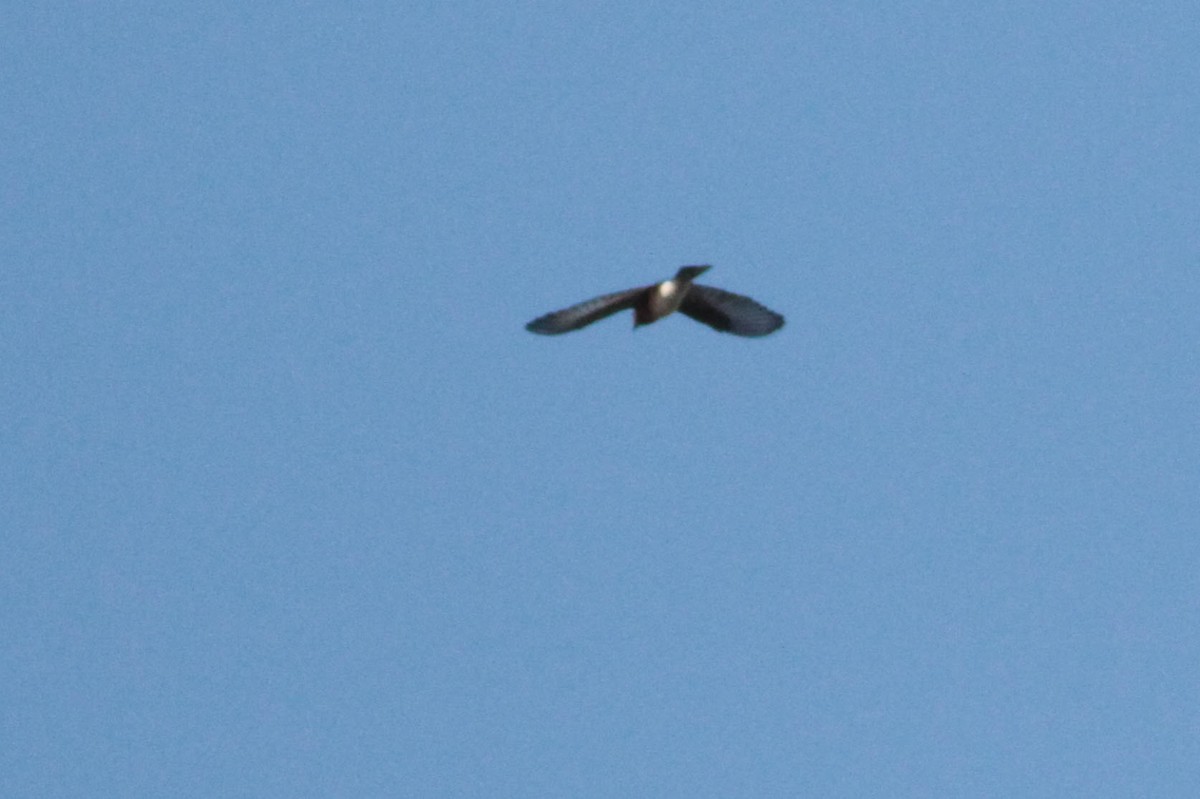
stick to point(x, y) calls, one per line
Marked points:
point(690, 273)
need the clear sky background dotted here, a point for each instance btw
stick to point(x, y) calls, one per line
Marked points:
point(292, 505)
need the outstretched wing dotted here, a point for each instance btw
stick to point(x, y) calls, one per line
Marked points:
point(584, 313)
point(729, 313)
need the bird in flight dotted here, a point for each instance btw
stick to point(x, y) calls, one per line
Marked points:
point(720, 310)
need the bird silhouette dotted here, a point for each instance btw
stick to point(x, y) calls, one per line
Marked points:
point(720, 310)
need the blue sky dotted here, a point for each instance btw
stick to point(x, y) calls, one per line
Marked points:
point(294, 506)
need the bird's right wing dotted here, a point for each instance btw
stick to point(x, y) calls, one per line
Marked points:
point(584, 313)
point(729, 312)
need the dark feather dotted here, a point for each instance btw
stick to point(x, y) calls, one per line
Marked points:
point(729, 313)
point(584, 313)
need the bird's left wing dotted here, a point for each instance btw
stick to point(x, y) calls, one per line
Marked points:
point(584, 313)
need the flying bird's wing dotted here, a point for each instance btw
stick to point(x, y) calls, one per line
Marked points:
point(729, 313)
point(584, 313)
